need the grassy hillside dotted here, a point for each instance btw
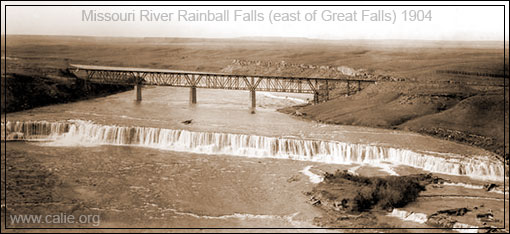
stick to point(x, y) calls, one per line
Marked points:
point(417, 59)
point(452, 112)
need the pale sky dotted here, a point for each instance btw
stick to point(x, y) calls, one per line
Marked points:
point(438, 22)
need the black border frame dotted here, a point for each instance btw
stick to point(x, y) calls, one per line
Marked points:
point(259, 228)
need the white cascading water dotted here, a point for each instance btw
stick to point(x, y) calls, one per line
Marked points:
point(77, 132)
point(298, 100)
point(465, 228)
point(472, 186)
point(423, 218)
point(409, 216)
point(314, 178)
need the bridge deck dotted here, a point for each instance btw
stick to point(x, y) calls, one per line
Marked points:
point(135, 69)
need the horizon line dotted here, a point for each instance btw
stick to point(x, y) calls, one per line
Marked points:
point(261, 37)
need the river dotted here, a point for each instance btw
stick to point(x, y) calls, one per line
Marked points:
point(140, 161)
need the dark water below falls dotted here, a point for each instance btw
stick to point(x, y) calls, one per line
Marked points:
point(228, 168)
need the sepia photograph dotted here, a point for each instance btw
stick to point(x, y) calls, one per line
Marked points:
point(259, 116)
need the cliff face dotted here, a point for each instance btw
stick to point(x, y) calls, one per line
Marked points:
point(24, 91)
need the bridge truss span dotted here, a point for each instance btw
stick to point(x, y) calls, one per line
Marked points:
point(193, 80)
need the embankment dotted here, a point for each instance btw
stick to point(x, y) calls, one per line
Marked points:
point(26, 91)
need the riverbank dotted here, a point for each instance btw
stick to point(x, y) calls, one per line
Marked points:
point(451, 112)
point(26, 91)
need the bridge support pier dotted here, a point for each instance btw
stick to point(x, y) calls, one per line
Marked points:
point(327, 91)
point(193, 95)
point(316, 98)
point(253, 98)
point(138, 91)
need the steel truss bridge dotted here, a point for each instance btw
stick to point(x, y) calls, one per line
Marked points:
point(138, 77)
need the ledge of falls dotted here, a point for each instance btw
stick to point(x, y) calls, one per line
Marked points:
point(87, 133)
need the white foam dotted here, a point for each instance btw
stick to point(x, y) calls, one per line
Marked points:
point(472, 186)
point(409, 216)
point(465, 228)
point(422, 218)
point(387, 168)
point(240, 216)
point(353, 170)
point(314, 178)
point(270, 95)
point(469, 186)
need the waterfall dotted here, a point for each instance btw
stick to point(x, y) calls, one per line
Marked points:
point(77, 132)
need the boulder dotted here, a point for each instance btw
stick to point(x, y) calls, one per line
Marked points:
point(490, 186)
point(485, 217)
point(15, 136)
point(456, 211)
point(187, 121)
point(441, 220)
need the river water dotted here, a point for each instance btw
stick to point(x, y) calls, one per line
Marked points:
point(228, 167)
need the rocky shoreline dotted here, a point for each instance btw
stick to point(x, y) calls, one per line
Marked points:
point(349, 200)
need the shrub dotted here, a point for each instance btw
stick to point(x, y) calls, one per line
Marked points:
point(380, 192)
